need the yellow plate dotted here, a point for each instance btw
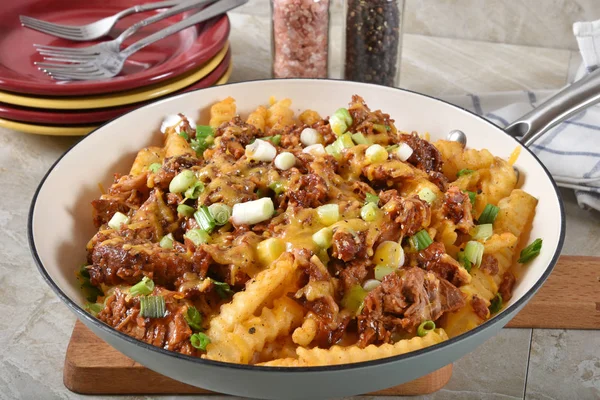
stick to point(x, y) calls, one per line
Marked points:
point(53, 130)
point(118, 99)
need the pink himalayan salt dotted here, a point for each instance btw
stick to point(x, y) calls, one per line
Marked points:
point(300, 36)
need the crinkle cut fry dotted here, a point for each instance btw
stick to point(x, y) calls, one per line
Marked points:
point(250, 336)
point(223, 111)
point(343, 355)
point(267, 284)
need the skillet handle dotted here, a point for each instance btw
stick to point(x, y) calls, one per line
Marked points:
point(571, 100)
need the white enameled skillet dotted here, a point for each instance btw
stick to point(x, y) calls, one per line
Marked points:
point(60, 224)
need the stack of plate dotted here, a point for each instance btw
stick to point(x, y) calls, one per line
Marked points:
point(32, 102)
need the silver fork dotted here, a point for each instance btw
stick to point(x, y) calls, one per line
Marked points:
point(83, 54)
point(109, 62)
point(92, 31)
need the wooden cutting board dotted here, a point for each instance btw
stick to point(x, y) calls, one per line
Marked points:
point(570, 299)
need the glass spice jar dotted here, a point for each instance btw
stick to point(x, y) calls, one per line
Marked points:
point(300, 38)
point(373, 41)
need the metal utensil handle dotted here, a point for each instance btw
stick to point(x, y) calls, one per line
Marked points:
point(571, 100)
point(147, 7)
point(181, 7)
point(208, 13)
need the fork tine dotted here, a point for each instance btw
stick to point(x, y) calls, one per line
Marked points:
point(41, 47)
point(76, 77)
point(38, 22)
point(54, 30)
point(88, 53)
point(69, 59)
point(67, 67)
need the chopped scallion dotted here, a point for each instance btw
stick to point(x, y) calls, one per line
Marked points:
point(371, 284)
point(277, 187)
point(382, 270)
point(197, 236)
point(462, 260)
point(310, 136)
point(182, 181)
point(471, 196)
point(204, 219)
point(329, 214)
point(152, 306)
point(204, 130)
point(269, 250)
point(474, 252)
point(371, 198)
point(530, 252)
point(391, 148)
point(323, 238)
point(143, 287)
point(184, 135)
point(425, 328)
point(117, 220)
point(427, 195)
point(253, 212)
point(489, 214)
point(275, 139)
point(261, 150)
point(369, 212)
point(200, 340)
point(464, 171)
point(482, 232)
point(194, 191)
point(220, 213)
point(353, 300)
point(154, 167)
point(167, 241)
point(285, 160)
point(204, 139)
point(376, 153)
point(359, 138)
point(94, 308)
point(496, 304)
point(185, 210)
point(403, 152)
point(340, 121)
point(193, 318)
point(421, 240)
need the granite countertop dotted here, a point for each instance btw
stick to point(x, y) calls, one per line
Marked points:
point(517, 363)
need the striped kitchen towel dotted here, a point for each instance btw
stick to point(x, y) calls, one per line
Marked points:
point(571, 150)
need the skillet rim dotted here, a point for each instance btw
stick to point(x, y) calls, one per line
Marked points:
point(82, 314)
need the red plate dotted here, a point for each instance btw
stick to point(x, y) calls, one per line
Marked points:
point(24, 114)
point(162, 60)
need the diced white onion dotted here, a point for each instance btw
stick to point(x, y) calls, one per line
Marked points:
point(371, 284)
point(117, 220)
point(309, 136)
point(253, 212)
point(404, 151)
point(285, 161)
point(261, 150)
point(175, 120)
point(315, 149)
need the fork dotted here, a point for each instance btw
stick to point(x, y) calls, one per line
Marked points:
point(92, 31)
point(109, 62)
point(82, 54)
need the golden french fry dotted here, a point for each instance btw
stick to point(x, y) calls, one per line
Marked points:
point(146, 157)
point(223, 111)
point(258, 117)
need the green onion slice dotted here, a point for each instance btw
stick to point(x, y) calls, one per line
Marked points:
point(117, 220)
point(277, 187)
point(369, 212)
point(194, 191)
point(167, 241)
point(462, 260)
point(474, 252)
point(482, 232)
point(200, 340)
point(182, 181)
point(329, 214)
point(205, 219)
point(425, 328)
point(220, 213)
point(359, 138)
point(464, 171)
point(143, 287)
point(530, 252)
point(323, 238)
point(194, 318)
point(371, 198)
point(94, 308)
point(154, 167)
point(152, 306)
point(382, 270)
point(90, 291)
point(184, 135)
point(496, 304)
point(421, 240)
point(276, 139)
point(223, 289)
point(185, 210)
point(204, 130)
point(427, 195)
point(353, 300)
point(471, 196)
point(392, 147)
point(204, 139)
point(489, 214)
point(197, 236)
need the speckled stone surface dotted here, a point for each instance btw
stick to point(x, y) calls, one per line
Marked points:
point(538, 364)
